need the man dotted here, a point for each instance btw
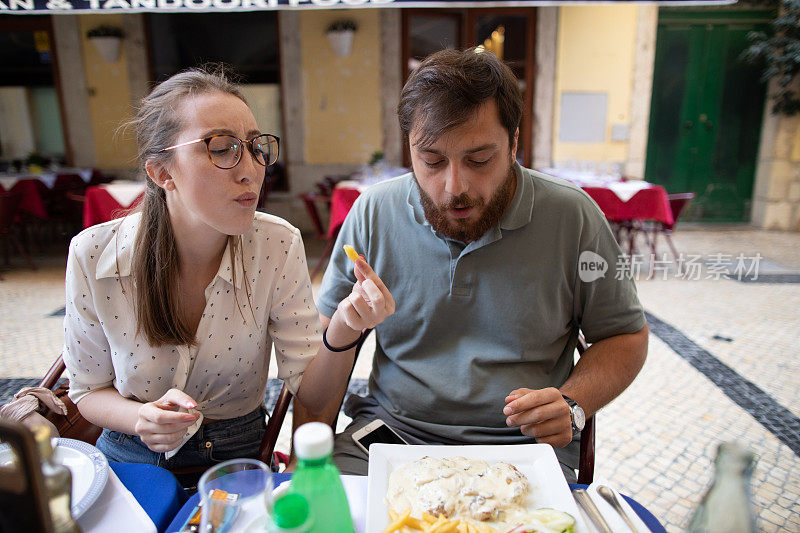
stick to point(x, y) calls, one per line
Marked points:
point(482, 257)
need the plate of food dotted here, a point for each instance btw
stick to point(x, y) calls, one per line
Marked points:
point(487, 489)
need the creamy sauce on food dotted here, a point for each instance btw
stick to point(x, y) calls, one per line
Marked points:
point(459, 487)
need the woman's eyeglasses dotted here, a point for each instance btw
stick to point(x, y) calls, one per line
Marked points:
point(225, 151)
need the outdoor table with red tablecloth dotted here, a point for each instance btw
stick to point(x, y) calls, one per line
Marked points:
point(105, 202)
point(35, 187)
point(32, 201)
point(342, 200)
point(650, 203)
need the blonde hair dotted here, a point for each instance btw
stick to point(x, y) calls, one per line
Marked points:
point(155, 265)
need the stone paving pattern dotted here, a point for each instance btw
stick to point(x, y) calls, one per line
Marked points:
point(656, 442)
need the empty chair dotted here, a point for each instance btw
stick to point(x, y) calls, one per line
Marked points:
point(9, 206)
point(678, 203)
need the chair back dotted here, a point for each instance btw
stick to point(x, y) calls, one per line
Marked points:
point(678, 203)
point(274, 175)
point(72, 425)
point(586, 458)
point(9, 205)
point(282, 406)
point(68, 182)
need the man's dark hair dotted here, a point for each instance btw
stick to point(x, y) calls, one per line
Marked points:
point(449, 86)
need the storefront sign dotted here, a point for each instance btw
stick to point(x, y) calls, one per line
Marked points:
point(173, 6)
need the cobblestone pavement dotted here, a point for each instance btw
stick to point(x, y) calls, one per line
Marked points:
point(722, 365)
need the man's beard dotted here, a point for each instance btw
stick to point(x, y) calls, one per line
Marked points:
point(462, 230)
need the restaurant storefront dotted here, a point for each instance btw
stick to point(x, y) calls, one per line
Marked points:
point(587, 105)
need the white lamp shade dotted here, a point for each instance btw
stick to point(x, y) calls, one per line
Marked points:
point(108, 48)
point(341, 42)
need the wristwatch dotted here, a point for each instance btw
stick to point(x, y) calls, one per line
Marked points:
point(576, 415)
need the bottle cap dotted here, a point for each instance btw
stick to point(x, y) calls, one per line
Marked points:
point(290, 512)
point(313, 440)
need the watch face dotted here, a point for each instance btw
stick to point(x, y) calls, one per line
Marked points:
point(578, 417)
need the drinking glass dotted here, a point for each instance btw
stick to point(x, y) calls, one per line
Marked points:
point(248, 484)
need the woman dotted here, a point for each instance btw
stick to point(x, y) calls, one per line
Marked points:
point(172, 312)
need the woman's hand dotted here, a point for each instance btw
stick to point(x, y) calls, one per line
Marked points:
point(160, 425)
point(370, 302)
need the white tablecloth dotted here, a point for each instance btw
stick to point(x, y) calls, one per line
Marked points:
point(124, 192)
point(48, 177)
point(584, 178)
point(116, 510)
point(614, 520)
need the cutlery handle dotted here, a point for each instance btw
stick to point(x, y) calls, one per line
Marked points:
point(608, 495)
point(586, 503)
point(624, 515)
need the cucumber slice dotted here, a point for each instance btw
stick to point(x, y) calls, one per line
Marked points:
point(554, 519)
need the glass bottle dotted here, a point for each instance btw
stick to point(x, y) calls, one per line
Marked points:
point(727, 506)
point(57, 482)
point(317, 479)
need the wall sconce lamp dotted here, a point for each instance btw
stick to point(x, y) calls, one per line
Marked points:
point(107, 40)
point(340, 35)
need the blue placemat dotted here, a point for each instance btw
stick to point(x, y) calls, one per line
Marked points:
point(156, 490)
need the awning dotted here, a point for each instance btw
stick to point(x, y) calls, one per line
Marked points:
point(21, 7)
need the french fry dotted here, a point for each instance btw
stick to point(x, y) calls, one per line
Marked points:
point(398, 523)
point(431, 528)
point(405, 523)
point(415, 523)
point(351, 252)
point(445, 527)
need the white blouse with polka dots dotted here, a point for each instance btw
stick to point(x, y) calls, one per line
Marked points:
point(226, 372)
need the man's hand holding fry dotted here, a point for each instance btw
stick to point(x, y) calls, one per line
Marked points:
point(369, 303)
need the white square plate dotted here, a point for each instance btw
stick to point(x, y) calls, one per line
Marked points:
point(537, 461)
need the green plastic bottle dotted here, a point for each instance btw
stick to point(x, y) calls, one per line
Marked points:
point(317, 479)
point(290, 514)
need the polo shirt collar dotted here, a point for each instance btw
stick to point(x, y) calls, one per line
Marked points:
point(118, 254)
point(415, 202)
point(520, 210)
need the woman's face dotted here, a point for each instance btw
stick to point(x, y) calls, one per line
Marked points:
point(202, 195)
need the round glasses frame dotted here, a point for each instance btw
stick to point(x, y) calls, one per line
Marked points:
point(241, 144)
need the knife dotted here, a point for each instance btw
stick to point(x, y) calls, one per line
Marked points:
point(591, 510)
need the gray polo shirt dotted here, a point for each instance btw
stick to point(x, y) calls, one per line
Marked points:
point(474, 322)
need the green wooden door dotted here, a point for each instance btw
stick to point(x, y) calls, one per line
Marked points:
point(705, 112)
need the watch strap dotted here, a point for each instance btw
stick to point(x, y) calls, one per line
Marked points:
point(572, 405)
